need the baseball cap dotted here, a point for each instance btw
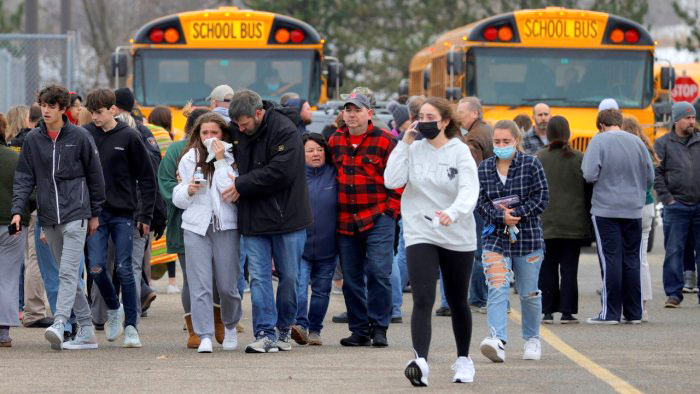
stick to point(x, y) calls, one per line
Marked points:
point(608, 103)
point(219, 93)
point(358, 100)
point(363, 90)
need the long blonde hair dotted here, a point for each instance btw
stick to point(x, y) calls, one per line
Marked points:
point(16, 120)
point(632, 126)
point(511, 126)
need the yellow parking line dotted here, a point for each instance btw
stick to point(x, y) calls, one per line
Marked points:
point(584, 362)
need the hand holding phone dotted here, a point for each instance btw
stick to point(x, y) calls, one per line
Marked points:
point(410, 135)
point(15, 225)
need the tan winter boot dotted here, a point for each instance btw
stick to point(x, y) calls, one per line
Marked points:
point(193, 339)
point(219, 329)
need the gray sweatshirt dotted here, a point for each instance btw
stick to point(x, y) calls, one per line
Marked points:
point(619, 166)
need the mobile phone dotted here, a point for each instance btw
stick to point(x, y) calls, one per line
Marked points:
point(12, 229)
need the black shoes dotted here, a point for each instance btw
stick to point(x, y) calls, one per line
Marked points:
point(548, 318)
point(379, 337)
point(443, 311)
point(568, 318)
point(45, 322)
point(341, 318)
point(356, 340)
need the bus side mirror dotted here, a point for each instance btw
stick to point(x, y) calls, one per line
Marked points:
point(668, 76)
point(453, 93)
point(335, 78)
point(662, 111)
point(455, 62)
point(403, 87)
point(119, 64)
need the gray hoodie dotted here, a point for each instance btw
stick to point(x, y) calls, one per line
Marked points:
point(619, 166)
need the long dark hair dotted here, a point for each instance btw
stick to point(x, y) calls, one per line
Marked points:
point(321, 140)
point(444, 108)
point(558, 133)
point(196, 142)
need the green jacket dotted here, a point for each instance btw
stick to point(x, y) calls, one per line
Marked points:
point(8, 164)
point(167, 180)
point(567, 214)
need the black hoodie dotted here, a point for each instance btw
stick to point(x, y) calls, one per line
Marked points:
point(125, 161)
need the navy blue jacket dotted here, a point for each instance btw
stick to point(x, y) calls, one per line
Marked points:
point(323, 195)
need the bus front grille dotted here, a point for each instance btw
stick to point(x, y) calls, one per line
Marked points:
point(580, 143)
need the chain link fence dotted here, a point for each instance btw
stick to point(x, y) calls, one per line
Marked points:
point(30, 61)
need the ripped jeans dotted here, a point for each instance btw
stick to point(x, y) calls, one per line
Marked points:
point(498, 269)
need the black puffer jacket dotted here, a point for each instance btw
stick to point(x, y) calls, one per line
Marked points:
point(272, 182)
point(67, 175)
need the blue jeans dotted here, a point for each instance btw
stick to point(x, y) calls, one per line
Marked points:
point(120, 229)
point(241, 276)
point(679, 220)
point(478, 291)
point(286, 250)
point(370, 253)
point(49, 272)
point(497, 269)
point(320, 274)
point(399, 275)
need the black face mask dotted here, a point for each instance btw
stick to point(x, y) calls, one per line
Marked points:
point(428, 129)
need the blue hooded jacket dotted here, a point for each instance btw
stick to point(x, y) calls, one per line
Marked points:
point(323, 196)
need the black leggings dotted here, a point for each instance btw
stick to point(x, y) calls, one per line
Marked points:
point(423, 261)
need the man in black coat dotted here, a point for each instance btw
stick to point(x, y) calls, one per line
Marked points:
point(273, 212)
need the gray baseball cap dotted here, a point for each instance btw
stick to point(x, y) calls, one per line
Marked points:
point(358, 100)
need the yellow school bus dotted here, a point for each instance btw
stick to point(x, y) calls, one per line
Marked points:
point(183, 56)
point(569, 59)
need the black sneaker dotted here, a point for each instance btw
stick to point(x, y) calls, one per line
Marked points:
point(341, 318)
point(44, 322)
point(443, 311)
point(397, 319)
point(356, 340)
point(379, 338)
point(548, 319)
point(98, 327)
point(568, 318)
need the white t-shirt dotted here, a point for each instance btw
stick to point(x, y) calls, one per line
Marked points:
point(442, 179)
point(502, 177)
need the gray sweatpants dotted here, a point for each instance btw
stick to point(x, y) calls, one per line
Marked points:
point(99, 307)
point(215, 255)
point(67, 243)
point(11, 259)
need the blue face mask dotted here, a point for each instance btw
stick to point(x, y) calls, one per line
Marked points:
point(505, 152)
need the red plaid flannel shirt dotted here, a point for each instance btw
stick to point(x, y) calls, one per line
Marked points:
point(362, 196)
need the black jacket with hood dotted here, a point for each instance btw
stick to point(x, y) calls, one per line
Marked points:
point(67, 174)
point(272, 182)
point(125, 161)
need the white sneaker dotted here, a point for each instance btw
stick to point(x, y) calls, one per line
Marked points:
point(84, 339)
point(464, 370)
point(493, 349)
point(115, 323)
point(532, 349)
point(230, 339)
point(54, 335)
point(172, 289)
point(417, 371)
point(205, 346)
point(131, 337)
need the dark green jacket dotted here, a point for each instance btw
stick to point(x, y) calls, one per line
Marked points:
point(8, 164)
point(566, 215)
point(167, 180)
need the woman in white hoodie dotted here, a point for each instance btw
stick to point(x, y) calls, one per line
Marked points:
point(442, 187)
point(210, 229)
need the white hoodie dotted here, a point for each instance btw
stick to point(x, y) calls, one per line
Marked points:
point(200, 207)
point(442, 179)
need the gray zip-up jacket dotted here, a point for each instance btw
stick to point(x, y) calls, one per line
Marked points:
point(619, 166)
point(678, 174)
point(67, 175)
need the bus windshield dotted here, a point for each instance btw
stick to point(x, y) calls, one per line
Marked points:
point(173, 77)
point(560, 77)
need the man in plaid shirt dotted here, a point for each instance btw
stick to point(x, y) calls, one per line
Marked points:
point(366, 222)
point(536, 138)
